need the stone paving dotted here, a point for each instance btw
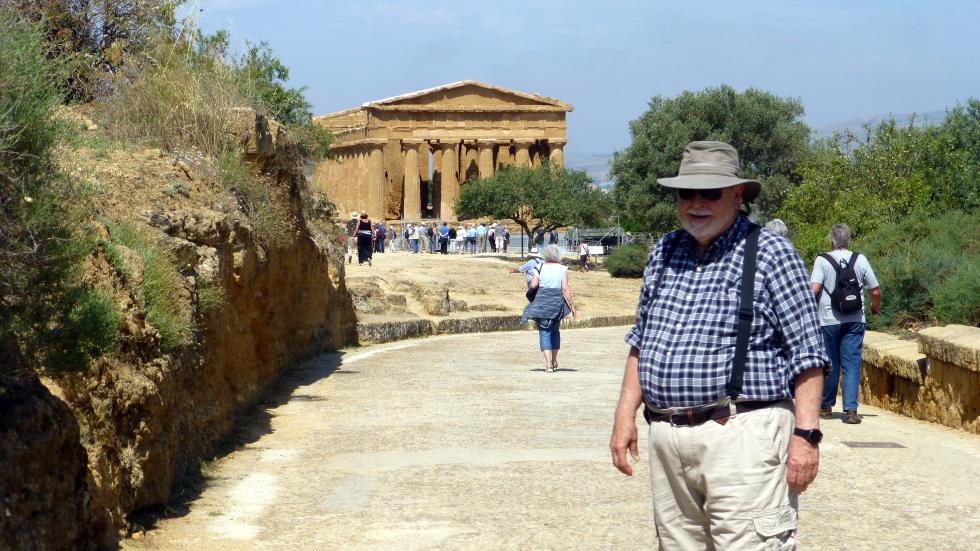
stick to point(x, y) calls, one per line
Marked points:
point(463, 442)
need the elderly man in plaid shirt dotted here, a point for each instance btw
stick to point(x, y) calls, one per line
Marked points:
point(730, 448)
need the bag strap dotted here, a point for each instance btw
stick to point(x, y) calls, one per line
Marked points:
point(668, 252)
point(745, 313)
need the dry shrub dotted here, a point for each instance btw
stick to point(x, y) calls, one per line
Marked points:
point(175, 96)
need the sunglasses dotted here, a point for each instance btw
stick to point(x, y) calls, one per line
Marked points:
point(706, 194)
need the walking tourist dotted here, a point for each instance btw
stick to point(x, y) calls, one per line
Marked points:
point(552, 302)
point(380, 235)
point(350, 228)
point(452, 240)
point(430, 232)
point(481, 238)
point(413, 237)
point(460, 239)
point(506, 239)
point(471, 234)
point(529, 268)
point(364, 234)
point(498, 236)
point(838, 279)
point(490, 237)
point(778, 227)
point(729, 450)
point(583, 256)
point(443, 238)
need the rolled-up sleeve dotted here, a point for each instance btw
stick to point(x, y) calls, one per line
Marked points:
point(795, 312)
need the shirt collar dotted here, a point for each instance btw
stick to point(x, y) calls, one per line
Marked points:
point(723, 242)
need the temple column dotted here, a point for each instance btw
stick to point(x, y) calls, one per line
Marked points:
point(412, 205)
point(449, 186)
point(470, 157)
point(522, 155)
point(435, 183)
point(374, 178)
point(486, 158)
point(557, 154)
point(504, 158)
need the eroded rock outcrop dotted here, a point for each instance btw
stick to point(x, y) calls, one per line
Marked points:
point(142, 416)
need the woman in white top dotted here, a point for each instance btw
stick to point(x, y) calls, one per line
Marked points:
point(552, 303)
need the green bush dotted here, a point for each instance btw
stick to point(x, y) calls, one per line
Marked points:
point(880, 180)
point(628, 260)
point(928, 269)
point(161, 284)
point(48, 316)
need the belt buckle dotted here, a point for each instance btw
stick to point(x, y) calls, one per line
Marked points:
point(690, 417)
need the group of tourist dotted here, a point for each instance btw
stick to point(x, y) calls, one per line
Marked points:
point(431, 237)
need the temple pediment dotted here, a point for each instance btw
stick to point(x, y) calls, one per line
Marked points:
point(469, 96)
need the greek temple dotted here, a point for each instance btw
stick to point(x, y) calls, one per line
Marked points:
point(405, 158)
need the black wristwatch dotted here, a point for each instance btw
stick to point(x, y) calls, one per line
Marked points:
point(813, 436)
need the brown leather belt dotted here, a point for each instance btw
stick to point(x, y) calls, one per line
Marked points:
point(698, 415)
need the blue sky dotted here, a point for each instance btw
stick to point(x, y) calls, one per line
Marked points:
point(844, 59)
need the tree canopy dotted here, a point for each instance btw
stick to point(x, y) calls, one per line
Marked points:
point(544, 197)
point(766, 130)
point(877, 181)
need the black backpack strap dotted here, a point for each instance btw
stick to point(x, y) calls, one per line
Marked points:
point(745, 313)
point(668, 252)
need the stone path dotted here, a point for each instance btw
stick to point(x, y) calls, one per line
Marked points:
point(463, 442)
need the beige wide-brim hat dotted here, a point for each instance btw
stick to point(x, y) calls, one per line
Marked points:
point(711, 165)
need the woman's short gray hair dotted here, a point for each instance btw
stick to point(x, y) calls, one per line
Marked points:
point(778, 227)
point(551, 254)
point(839, 236)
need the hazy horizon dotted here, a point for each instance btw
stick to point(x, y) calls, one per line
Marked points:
point(843, 60)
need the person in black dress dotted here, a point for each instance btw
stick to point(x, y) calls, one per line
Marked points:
point(364, 232)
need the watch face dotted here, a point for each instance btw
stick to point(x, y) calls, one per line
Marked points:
point(813, 436)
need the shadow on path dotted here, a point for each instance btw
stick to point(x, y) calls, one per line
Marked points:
point(247, 427)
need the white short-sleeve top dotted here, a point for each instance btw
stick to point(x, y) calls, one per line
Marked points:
point(550, 275)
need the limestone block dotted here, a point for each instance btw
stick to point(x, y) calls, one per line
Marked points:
point(393, 331)
point(954, 344)
point(896, 356)
point(183, 251)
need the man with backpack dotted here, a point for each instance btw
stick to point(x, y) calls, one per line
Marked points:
point(837, 280)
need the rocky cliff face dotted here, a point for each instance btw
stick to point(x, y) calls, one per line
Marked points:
point(44, 496)
point(143, 416)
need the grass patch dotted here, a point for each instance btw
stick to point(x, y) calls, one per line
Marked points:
point(160, 287)
point(271, 220)
point(210, 294)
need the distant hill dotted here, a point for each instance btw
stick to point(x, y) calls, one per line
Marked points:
point(596, 165)
point(856, 125)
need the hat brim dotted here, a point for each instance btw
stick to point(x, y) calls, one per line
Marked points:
point(709, 181)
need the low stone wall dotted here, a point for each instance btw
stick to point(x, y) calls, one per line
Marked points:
point(934, 378)
point(376, 333)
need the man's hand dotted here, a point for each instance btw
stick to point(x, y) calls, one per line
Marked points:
point(802, 466)
point(624, 437)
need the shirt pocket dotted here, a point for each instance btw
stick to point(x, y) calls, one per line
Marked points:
point(715, 319)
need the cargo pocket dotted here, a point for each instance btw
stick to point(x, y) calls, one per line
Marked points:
point(777, 528)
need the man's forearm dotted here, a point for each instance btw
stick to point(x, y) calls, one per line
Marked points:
point(631, 395)
point(809, 390)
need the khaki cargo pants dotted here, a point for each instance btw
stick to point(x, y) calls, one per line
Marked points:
point(724, 486)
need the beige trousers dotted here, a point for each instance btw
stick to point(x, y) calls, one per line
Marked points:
point(724, 487)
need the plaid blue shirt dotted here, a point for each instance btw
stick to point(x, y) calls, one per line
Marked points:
point(686, 335)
